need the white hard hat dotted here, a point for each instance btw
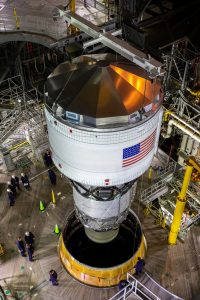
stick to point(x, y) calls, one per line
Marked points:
point(22, 174)
point(27, 233)
point(8, 182)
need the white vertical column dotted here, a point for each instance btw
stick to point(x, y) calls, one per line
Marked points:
point(182, 149)
point(189, 145)
point(195, 149)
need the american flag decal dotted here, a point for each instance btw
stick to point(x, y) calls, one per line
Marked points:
point(137, 152)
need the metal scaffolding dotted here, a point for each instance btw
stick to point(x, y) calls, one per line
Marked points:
point(21, 117)
point(180, 65)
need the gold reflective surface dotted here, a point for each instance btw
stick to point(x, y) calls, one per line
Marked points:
point(102, 88)
point(96, 276)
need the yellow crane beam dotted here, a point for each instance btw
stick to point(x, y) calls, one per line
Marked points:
point(181, 200)
point(72, 6)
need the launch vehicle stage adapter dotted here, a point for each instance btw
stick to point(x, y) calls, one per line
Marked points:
point(103, 117)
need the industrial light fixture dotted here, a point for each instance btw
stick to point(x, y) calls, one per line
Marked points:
point(2, 6)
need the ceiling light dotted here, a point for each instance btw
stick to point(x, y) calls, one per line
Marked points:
point(2, 6)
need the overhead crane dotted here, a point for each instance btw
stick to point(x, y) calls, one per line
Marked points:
point(151, 65)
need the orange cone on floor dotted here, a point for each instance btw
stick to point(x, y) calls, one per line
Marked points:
point(42, 207)
point(56, 229)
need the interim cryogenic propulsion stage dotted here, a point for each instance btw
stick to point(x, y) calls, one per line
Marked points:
point(104, 117)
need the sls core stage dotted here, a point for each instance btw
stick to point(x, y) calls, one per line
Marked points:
point(104, 118)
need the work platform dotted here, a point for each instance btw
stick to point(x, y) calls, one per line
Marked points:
point(176, 268)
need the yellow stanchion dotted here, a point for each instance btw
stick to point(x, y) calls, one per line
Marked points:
point(150, 173)
point(14, 12)
point(164, 222)
point(53, 197)
point(17, 22)
point(2, 250)
point(146, 211)
point(17, 19)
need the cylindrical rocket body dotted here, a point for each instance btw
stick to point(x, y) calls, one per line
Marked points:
point(100, 164)
point(104, 119)
point(103, 157)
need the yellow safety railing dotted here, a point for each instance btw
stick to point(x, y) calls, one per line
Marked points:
point(18, 145)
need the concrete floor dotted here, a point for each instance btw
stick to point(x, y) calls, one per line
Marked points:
point(35, 20)
point(177, 268)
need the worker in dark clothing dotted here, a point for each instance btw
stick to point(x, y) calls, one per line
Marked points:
point(139, 266)
point(12, 188)
point(11, 197)
point(29, 251)
point(15, 181)
point(47, 158)
point(53, 277)
point(52, 176)
point(20, 246)
point(122, 284)
point(25, 181)
point(29, 239)
point(12, 180)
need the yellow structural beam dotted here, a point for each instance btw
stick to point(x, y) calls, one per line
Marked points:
point(72, 30)
point(180, 205)
point(181, 200)
point(194, 93)
point(72, 6)
point(193, 163)
point(166, 115)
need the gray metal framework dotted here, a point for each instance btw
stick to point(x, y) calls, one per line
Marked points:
point(122, 47)
point(177, 79)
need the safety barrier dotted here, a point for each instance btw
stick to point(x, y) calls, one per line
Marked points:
point(154, 191)
point(158, 187)
point(136, 288)
point(141, 291)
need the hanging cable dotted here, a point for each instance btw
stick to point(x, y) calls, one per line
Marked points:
point(44, 65)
